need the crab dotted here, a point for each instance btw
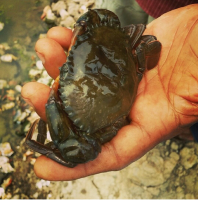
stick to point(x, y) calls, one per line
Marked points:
point(91, 99)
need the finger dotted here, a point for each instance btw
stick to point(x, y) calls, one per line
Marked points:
point(130, 144)
point(36, 94)
point(44, 167)
point(52, 55)
point(61, 35)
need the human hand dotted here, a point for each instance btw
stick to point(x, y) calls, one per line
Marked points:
point(166, 102)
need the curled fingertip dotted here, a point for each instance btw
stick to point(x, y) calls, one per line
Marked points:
point(61, 35)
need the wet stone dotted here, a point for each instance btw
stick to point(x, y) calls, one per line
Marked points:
point(57, 7)
point(188, 157)
point(174, 146)
point(3, 84)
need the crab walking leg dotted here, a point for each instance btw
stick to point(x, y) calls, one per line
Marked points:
point(45, 149)
point(58, 122)
point(74, 146)
point(42, 130)
point(148, 52)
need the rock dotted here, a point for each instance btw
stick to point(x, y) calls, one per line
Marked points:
point(42, 35)
point(3, 159)
point(174, 156)
point(196, 190)
point(105, 186)
point(50, 17)
point(154, 190)
point(36, 195)
point(83, 9)
point(45, 81)
point(188, 157)
point(7, 106)
point(2, 192)
point(180, 193)
point(180, 171)
point(3, 84)
point(8, 58)
point(34, 73)
point(7, 168)
point(1, 26)
point(57, 7)
point(16, 196)
point(64, 14)
point(42, 183)
point(174, 146)
point(18, 88)
point(73, 10)
point(68, 22)
point(152, 165)
point(4, 46)
point(190, 182)
point(6, 182)
point(5, 149)
point(189, 196)
point(39, 65)
point(169, 165)
point(168, 142)
point(145, 170)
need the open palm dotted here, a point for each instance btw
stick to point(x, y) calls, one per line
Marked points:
point(166, 103)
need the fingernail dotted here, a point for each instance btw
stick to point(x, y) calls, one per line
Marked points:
point(41, 57)
point(28, 101)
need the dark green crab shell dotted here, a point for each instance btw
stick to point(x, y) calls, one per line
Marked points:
point(98, 82)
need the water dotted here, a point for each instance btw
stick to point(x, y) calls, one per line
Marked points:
point(21, 30)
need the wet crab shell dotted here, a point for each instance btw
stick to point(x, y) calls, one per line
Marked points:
point(98, 82)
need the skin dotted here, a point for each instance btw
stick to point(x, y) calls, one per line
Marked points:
point(166, 103)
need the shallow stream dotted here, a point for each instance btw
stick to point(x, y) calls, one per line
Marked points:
point(22, 27)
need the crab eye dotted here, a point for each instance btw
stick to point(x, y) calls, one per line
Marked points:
point(83, 23)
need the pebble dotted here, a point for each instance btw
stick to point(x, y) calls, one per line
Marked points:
point(18, 88)
point(42, 35)
point(167, 142)
point(5, 149)
point(188, 157)
point(39, 65)
point(57, 7)
point(50, 16)
point(33, 73)
point(180, 193)
point(8, 58)
point(68, 22)
point(42, 183)
point(3, 160)
point(3, 84)
point(1, 26)
point(2, 192)
point(7, 106)
point(189, 196)
point(4, 46)
point(66, 12)
point(145, 171)
point(174, 146)
point(6, 168)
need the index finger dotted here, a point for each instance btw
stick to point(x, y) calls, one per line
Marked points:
point(51, 50)
point(61, 35)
